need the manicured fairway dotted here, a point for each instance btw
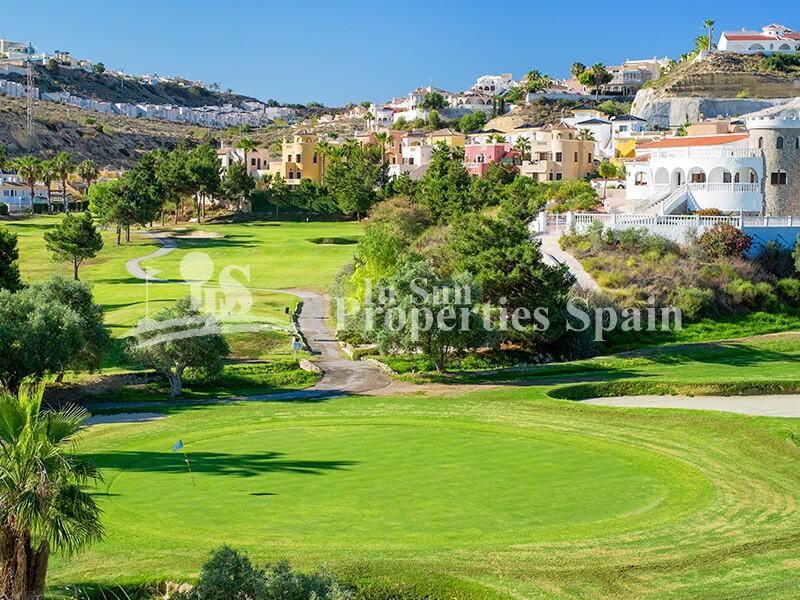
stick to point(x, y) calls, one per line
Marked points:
point(509, 493)
point(277, 254)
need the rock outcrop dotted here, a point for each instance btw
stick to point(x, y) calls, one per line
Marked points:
point(665, 111)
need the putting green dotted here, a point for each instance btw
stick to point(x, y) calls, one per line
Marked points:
point(389, 485)
point(501, 494)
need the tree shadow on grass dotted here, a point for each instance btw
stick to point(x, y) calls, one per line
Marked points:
point(717, 353)
point(215, 463)
point(229, 241)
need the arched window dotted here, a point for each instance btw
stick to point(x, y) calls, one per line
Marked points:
point(779, 143)
point(760, 143)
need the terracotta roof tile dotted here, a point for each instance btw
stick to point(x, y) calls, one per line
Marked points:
point(698, 140)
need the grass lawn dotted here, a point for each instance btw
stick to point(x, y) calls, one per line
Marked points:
point(764, 364)
point(498, 494)
point(278, 255)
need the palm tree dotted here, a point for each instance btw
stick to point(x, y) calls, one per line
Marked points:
point(3, 157)
point(27, 168)
point(585, 134)
point(523, 146)
point(89, 172)
point(44, 507)
point(577, 68)
point(47, 173)
point(709, 25)
point(383, 140)
point(246, 145)
point(64, 165)
point(323, 150)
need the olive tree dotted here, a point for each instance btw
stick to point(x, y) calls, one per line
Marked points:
point(178, 338)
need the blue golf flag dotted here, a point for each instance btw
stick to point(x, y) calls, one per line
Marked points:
point(177, 446)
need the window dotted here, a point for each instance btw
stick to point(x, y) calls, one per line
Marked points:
point(778, 178)
point(550, 176)
point(797, 143)
point(299, 158)
point(699, 177)
point(558, 176)
point(289, 158)
point(559, 157)
point(590, 157)
point(779, 143)
point(314, 158)
point(760, 143)
point(726, 177)
point(639, 179)
point(291, 175)
point(576, 157)
point(252, 162)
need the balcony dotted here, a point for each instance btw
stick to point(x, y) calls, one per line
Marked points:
point(707, 153)
point(536, 166)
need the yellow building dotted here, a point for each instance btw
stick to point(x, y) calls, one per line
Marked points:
point(299, 159)
point(558, 154)
point(451, 137)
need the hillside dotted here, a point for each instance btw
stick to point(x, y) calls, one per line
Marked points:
point(536, 114)
point(118, 141)
point(109, 140)
point(111, 89)
point(722, 85)
point(729, 76)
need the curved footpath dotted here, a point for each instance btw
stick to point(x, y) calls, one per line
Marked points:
point(343, 376)
point(553, 254)
point(340, 375)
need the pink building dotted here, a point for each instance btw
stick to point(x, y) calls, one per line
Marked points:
point(478, 157)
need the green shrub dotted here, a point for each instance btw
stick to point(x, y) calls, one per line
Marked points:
point(3, 210)
point(789, 289)
point(776, 259)
point(229, 574)
point(749, 295)
point(612, 279)
point(694, 303)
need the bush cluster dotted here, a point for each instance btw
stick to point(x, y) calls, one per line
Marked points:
point(709, 278)
point(229, 574)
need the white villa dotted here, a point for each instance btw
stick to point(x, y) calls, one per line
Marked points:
point(16, 194)
point(596, 122)
point(415, 154)
point(494, 85)
point(694, 172)
point(772, 38)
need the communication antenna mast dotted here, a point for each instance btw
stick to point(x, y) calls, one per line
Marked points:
point(31, 97)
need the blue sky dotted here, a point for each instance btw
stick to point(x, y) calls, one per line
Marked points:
point(336, 52)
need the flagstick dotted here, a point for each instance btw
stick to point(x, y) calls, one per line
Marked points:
point(189, 466)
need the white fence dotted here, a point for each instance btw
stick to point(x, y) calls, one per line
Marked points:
point(675, 227)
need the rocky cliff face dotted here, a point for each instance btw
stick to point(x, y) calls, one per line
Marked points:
point(665, 111)
point(723, 84)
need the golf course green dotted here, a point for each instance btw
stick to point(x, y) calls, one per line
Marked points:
point(500, 486)
point(503, 493)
